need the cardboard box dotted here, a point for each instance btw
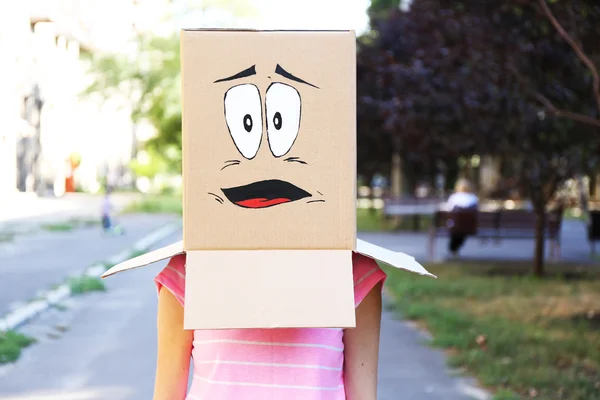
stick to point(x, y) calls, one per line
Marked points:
point(269, 169)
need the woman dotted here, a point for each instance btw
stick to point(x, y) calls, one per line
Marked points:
point(463, 198)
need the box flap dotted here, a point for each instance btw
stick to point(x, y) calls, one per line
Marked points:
point(242, 289)
point(147, 258)
point(393, 258)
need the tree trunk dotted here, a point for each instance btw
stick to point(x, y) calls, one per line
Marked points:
point(583, 198)
point(540, 236)
point(489, 174)
point(396, 176)
point(396, 184)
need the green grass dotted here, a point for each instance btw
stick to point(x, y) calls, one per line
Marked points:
point(85, 284)
point(517, 334)
point(156, 204)
point(137, 253)
point(107, 265)
point(84, 223)
point(571, 213)
point(369, 220)
point(11, 344)
point(7, 237)
point(373, 220)
point(58, 227)
point(70, 225)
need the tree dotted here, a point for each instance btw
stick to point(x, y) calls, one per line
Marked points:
point(441, 81)
point(581, 18)
point(152, 81)
point(573, 20)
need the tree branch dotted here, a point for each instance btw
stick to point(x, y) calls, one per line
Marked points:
point(551, 108)
point(578, 50)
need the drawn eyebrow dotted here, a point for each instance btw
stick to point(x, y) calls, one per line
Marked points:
point(247, 72)
point(279, 70)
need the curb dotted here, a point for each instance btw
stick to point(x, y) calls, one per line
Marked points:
point(17, 318)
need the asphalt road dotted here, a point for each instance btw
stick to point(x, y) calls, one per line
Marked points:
point(34, 261)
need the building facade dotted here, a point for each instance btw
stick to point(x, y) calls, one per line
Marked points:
point(45, 121)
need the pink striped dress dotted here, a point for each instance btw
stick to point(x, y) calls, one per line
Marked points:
point(269, 364)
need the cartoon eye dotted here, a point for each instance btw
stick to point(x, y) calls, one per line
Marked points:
point(283, 108)
point(243, 114)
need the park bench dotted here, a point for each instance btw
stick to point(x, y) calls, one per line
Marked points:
point(593, 229)
point(411, 207)
point(495, 225)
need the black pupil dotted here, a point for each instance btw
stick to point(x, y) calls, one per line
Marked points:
point(277, 120)
point(247, 122)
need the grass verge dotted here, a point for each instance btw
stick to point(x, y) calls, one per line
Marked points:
point(70, 225)
point(156, 204)
point(85, 284)
point(6, 237)
point(11, 345)
point(373, 220)
point(58, 227)
point(520, 336)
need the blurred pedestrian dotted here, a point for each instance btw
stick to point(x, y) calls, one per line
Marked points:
point(463, 199)
point(107, 212)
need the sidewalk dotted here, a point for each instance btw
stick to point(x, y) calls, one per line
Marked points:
point(33, 262)
point(22, 211)
point(409, 370)
point(575, 246)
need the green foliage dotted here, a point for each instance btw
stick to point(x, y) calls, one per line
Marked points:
point(157, 204)
point(155, 164)
point(11, 344)
point(517, 334)
point(383, 7)
point(152, 81)
point(85, 284)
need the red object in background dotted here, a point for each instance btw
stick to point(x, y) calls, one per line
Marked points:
point(72, 163)
point(69, 184)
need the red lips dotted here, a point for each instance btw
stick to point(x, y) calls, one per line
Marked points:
point(262, 194)
point(261, 202)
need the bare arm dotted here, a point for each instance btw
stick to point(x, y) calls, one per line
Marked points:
point(174, 350)
point(362, 349)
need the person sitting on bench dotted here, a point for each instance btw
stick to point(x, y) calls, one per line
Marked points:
point(462, 199)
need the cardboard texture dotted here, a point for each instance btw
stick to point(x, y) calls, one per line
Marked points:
point(269, 289)
point(275, 110)
point(269, 169)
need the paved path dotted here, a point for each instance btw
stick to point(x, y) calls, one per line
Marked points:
point(575, 246)
point(33, 262)
point(408, 370)
point(19, 211)
point(103, 347)
point(107, 351)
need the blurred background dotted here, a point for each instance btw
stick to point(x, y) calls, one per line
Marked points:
point(500, 97)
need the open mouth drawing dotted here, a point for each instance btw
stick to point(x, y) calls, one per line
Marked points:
point(264, 194)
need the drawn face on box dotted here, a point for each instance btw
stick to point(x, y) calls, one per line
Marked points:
point(281, 112)
point(269, 140)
